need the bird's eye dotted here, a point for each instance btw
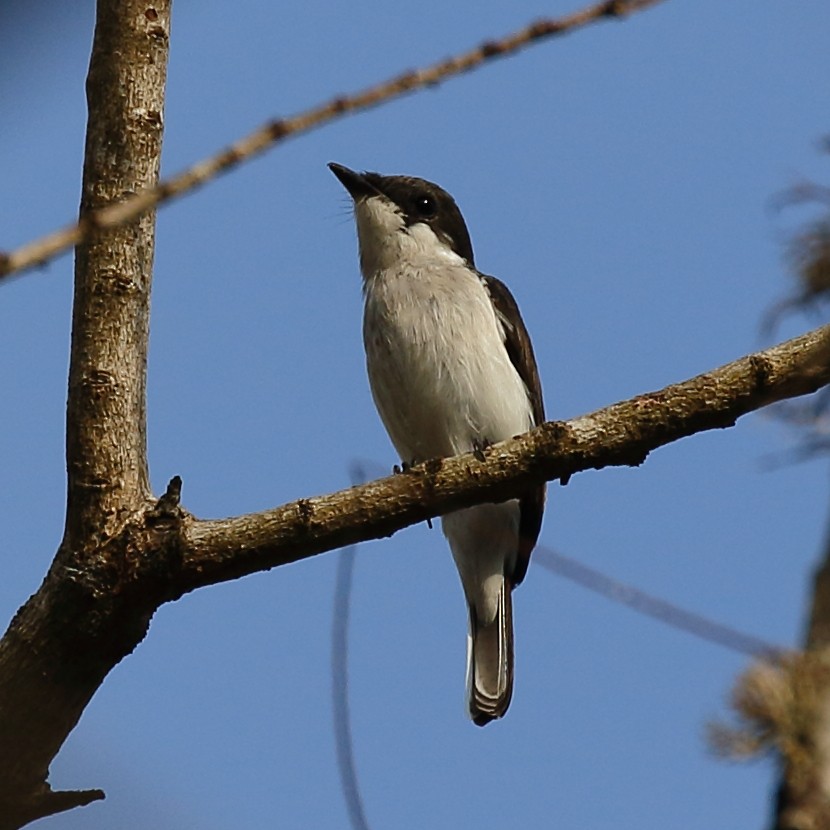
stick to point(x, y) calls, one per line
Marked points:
point(425, 206)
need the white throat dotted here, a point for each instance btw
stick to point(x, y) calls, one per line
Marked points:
point(386, 243)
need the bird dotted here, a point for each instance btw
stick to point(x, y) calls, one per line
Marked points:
point(451, 370)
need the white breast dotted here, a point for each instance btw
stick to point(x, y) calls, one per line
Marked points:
point(439, 371)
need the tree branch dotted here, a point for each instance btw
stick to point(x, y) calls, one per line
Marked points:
point(622, 434)
point(23, 810)
point(278, 130)
point(106, 454)
point(57, 650)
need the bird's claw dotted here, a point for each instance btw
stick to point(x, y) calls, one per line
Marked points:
point(479, 446)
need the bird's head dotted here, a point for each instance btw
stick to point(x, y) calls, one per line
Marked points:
point(404, 219)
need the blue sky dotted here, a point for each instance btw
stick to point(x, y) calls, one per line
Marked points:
point(619, 180)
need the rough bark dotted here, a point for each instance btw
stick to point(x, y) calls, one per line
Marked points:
point(622, 434)
point(51, 657)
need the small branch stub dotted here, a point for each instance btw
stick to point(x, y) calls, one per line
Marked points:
point(169, 503)
point(45, 803)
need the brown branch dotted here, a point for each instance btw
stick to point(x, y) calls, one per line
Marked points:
point(30, 807)
point(106, 455)
point(622, 434)
point(278, 130)
point(55, 653)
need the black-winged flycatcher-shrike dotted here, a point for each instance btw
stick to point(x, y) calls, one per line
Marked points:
point(452, 371)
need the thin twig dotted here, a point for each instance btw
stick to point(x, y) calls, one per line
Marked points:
point(343, 740)
point(654, 607)
point(622, 593)
point(278, 130)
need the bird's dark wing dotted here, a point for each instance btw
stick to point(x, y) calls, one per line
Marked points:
point(517, 342)
point(519, 348)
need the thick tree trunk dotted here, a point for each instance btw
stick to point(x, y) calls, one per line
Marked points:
point(50, 659)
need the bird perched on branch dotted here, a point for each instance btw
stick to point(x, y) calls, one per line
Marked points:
point(452, 371)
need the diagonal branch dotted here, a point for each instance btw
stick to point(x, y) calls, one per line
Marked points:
point(278, 130)
point(622, 434)
point(652, 606)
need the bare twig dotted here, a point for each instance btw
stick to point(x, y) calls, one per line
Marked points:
point(631, 597)
point(343, 739)
point(277, 130)
point(558, 564)
point(654, 607)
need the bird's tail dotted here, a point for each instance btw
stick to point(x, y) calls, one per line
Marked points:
point(490, 661)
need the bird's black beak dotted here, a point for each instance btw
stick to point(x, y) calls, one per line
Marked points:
point(356, 183)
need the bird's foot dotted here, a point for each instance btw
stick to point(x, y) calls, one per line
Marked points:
point(479, 446)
